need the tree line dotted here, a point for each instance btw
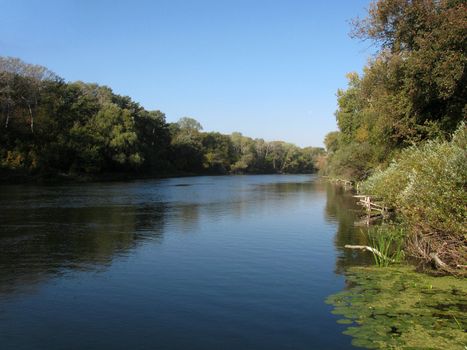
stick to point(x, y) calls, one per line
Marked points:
point(412, 90)
point(50, 126)
point(402, 132)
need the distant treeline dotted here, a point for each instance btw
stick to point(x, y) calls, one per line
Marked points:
point(49, 126)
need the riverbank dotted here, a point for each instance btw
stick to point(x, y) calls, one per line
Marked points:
point(399, 303)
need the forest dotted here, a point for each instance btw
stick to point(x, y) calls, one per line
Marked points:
point(109, 239)
point(53, 127)
point(401, 132)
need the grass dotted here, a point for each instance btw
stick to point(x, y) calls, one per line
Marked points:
point(389, 241)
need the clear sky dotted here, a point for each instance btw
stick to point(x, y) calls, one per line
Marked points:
point(267, 68)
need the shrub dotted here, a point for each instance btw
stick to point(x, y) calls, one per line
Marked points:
point(426, 184)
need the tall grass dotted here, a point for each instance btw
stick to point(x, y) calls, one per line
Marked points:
point(389, 242)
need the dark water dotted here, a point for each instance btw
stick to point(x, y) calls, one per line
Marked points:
point(241, 262)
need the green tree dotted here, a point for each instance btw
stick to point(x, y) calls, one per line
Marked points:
point(413, 90)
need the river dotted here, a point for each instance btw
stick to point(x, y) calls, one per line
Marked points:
point(226, 262)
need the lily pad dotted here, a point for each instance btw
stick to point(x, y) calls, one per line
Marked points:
point(398, 308)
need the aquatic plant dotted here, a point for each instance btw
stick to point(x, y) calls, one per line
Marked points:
point(388, 241)
point(398, 308)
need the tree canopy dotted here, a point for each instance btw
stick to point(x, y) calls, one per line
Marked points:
point(413, 90)
point(53, 127)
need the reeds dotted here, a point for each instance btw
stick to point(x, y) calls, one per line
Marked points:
point(389, 242)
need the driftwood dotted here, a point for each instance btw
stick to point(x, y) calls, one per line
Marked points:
point(438, 262)
point(370, 249)
point(371, 204)
point(441, 265)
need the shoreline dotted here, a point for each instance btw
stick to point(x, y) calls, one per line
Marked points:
point(20, 178)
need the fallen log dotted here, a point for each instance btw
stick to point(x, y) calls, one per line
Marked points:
point(370, 249)
point(440, 264)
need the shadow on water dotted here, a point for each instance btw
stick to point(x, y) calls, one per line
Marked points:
point(40, 240)
point(341, 207)
point(48, 231)
point(392, 307)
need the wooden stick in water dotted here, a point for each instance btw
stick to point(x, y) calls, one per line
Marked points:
point(370, 249)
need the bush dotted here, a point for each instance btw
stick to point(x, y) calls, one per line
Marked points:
point(426, 184)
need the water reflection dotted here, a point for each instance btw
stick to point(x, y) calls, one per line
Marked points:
point(45, 231)
point(39, 242)
point(222, 260)
point(342, 208)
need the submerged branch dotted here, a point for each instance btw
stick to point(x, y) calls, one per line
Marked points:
point(370, 249)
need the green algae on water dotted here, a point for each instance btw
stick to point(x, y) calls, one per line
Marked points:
point(398, 308)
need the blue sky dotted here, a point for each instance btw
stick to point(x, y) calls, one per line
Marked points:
point(269, 69)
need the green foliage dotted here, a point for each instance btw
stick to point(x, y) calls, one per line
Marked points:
point(189, 125)
point(397, 308)
point(413, 90)
point(218, 152)
point(49, 126)
point(406, 104)
point(186, 146)
point(427, 185)
point(389, 242)
point(331, 141)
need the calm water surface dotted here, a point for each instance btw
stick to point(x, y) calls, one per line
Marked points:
point(242, 262)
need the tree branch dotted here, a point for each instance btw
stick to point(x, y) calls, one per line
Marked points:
point(370, 249)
